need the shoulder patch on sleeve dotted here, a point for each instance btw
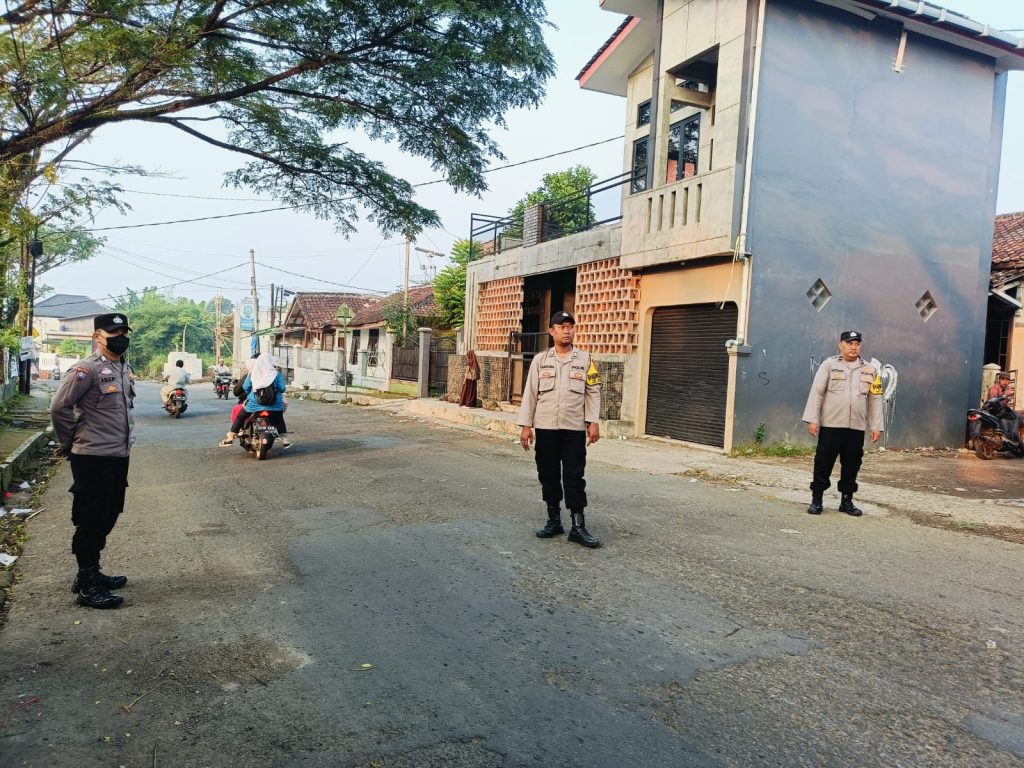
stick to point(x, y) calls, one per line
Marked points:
point(81, 373)
point(593, 377)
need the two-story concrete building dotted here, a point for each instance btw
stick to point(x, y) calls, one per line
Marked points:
point(794, 168)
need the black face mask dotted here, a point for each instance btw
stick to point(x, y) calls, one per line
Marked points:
point(117, 344)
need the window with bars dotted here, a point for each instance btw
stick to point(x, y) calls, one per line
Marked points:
point(641, 150)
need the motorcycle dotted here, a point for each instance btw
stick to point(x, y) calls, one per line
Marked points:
point(258, 434)
point(55, 375)
point(177, 402)
point(995, 428)
point(222, 384)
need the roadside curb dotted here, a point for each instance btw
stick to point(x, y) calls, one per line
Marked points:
point(22, 455)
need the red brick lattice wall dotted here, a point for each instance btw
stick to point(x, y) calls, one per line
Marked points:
point(606, 308)
point(500, 312)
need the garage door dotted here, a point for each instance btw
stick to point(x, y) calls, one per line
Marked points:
point(688, 373)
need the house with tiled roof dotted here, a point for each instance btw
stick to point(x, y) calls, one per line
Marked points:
point(1004, 331)
point(791, 169)
point(65, 316)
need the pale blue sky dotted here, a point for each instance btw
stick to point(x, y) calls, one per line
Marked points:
point(298, 243)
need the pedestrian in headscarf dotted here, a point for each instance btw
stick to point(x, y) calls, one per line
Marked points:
point(467, 398)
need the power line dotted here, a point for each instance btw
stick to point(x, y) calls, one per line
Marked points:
point(320, 279)
point(344, 199)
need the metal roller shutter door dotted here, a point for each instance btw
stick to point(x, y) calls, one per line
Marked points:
point(689, 372)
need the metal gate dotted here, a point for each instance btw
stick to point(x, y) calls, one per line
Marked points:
point(405, 362)
point(688, 373)
point(441, 348)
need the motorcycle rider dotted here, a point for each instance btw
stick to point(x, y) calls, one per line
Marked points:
point(1002, 388)
point(175, 379)
point(219, 371)
point(262, 373)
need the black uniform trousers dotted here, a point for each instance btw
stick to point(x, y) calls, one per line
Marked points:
point(845, 444)
point(561, 456)
point(99, 487)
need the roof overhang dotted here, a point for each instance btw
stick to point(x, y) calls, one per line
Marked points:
point(609, 69)
point(934, 21)
point(646, 9)
point(1006, 299)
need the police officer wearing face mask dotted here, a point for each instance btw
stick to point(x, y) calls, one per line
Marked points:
point(97, 445)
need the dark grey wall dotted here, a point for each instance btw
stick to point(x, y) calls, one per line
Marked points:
point(883, 186)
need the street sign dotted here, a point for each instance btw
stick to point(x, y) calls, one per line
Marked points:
point(28, 348)
point(247, 315)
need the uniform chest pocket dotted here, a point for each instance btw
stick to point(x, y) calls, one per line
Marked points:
point(109, 396)
point(837, 382)
point(547, 383)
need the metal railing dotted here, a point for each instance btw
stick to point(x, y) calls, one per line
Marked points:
point(600, 203)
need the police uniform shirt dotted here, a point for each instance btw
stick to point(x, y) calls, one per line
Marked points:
point(103, 393)
point(845, 395)
point(561, 393)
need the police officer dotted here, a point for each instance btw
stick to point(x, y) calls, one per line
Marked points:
point(845, 400)
point(562, 402)
point(97, 445)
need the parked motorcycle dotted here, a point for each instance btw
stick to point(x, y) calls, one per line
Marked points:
point(222, 384)
point(258, 434)
point(995, 428)
point(55, 375)
point(177, 402)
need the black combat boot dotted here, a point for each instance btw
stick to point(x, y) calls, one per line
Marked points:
point(92, 593)
point(554, 524)
point(107, 582)
point(579, 532)
point(816, 506)
point(847, 506)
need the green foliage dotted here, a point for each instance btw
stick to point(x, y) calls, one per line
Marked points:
point(399, 319)
point(281, 84)
point(759, 432)
point(450, 283)
point(159, 321)
point(563, 191)
point(72, 348)
point(782, 450)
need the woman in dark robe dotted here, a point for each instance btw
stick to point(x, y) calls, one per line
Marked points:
point(467, 398)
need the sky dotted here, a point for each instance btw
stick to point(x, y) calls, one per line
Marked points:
point(301, 253)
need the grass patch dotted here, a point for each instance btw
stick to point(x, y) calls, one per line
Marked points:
point(783, 450)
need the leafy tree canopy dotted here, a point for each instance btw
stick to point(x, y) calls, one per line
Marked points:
point(276, 82)
point(564, 192)
point(450, 283)
point(158, 322)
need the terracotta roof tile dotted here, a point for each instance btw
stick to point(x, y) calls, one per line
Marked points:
point(420, 296)
point(1008, 244)
point(318, 309)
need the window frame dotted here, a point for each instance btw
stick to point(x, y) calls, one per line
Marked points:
point(681, 166)
point(640, 121)
point(638, 183)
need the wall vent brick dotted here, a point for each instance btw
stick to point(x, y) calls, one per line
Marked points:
point(606, 308)
point(499, 313)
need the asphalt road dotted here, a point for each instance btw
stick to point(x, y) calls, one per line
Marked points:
point(716, 627)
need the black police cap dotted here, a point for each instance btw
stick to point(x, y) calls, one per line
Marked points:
point(562, 317)
point(115, 321)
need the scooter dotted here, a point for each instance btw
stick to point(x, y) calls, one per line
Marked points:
point(222, 384)
point(177, 402)
point(258, 434)
point(55, 375)
point(995, 428)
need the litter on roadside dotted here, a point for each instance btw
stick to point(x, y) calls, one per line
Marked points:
point(25, 485)
point(20, 512)
point(6, 559)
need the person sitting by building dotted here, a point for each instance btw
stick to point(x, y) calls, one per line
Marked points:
point(177, 378)
point(1003, 387)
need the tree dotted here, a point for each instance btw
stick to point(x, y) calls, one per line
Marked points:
point(277, 83)
point(565, 193)
point(159, 322)
point(450, 283)
point(72, 348)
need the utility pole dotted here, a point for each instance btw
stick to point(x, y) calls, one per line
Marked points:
point(255, 298)
point(430, 255)
point(408, 252)
point(273, 304)
point(217, 333)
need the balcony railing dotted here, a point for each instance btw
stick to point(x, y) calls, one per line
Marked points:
point(600, 203)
